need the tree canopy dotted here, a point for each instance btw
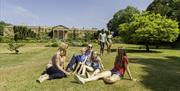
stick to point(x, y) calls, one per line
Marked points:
point(122, 16)
point(149, 27)
point(169, 8)
point(22, 32)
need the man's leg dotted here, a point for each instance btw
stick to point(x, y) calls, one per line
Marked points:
point(93, 78)
point(71, 63)
point(103, 47)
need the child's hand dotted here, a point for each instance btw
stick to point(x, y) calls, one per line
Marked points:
point(67, 74)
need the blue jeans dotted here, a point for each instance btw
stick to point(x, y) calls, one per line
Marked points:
point(74, 61)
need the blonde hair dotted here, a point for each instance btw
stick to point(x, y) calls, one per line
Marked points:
point(62, 47)
point(83, 49)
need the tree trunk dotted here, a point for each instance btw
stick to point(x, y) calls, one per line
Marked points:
point(147, 47)
point(157, 46)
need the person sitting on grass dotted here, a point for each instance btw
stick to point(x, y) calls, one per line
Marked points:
point(55, 68)
point(74, 62)
point(114, 75)
point(93, 65)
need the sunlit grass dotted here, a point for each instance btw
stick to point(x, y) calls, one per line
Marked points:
point(158, 70)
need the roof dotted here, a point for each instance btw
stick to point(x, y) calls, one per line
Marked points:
point(60, 27)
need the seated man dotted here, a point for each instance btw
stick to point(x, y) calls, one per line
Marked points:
point(112, 76)
point(79, 58)
point(93, 65)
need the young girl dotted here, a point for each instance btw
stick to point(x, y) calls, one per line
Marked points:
point(94, 65)
point(55, 68)
point(112, 76)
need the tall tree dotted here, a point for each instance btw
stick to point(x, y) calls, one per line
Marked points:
point(122, 16)
point(149, 28)
point(169, 8)
point(22, 32)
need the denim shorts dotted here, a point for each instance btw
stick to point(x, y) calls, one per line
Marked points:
point(113, 71)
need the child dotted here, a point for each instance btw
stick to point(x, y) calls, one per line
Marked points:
point(94, 64)
point(112, 76)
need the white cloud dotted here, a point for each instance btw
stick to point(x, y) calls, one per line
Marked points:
point(20, 11)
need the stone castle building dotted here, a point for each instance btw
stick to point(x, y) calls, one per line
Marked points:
point(59, 31)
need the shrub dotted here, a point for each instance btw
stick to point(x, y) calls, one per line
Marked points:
point(13, 46)
point(117, 39)
point(55, 44)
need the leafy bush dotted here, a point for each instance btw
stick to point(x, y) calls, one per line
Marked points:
point(13, 46)
point(117, 39)
point(55, 44)
point(75, 43)
point(4, 39)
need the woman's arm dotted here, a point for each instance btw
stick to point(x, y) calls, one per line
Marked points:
point(102, 66)
point(128, 71)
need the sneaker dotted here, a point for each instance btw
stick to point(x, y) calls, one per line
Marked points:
point(38, 81)
point(79, 79)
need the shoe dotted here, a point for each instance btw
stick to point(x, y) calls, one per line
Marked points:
point(38, 81)
point(79, 79)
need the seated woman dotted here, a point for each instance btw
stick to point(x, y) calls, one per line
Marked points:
point(93, 65)
point(55, 68)
point(85, 52)
point(112, 76)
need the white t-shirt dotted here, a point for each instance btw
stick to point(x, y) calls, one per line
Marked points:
point(102, 37)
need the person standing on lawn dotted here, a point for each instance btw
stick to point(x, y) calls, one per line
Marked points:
point(102, 40)
point(109, 42)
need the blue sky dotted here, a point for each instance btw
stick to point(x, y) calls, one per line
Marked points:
point(77, 13)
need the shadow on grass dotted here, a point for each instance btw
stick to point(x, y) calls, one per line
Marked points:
point(162, 74)
point(153, 47)
point(12, 53)
point(137, 51)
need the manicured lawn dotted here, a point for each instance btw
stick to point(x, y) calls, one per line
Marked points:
point(158, 70)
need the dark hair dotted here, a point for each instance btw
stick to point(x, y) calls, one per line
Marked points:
point(102, 30)
point(120, 55)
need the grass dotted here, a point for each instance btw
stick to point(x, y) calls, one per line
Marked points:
point(158, 70)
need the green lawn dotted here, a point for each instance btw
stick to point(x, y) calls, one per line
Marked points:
point(158, 70)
